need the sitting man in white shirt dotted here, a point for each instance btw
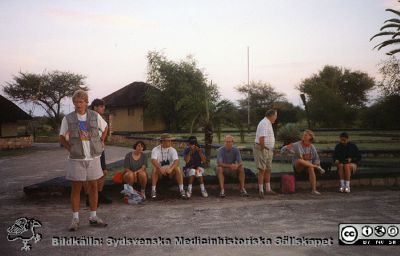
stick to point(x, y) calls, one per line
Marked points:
point(165, 162)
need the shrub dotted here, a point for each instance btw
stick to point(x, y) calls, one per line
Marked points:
point(289, 133)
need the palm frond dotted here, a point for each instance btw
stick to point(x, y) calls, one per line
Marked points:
point(393, 52)
point(386, 33)
point(394, 11)
point(386, 43)
point(393, 20)
point(390, 25)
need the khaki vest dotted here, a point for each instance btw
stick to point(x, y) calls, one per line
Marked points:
point(96, 147)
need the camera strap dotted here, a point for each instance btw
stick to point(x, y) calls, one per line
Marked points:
point(162, 155)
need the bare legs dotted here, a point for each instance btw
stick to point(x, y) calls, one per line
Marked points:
point(310, 167)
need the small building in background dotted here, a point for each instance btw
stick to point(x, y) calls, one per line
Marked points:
point(126, 107)
point(10, 114)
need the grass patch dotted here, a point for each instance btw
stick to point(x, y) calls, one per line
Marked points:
point(323, 139)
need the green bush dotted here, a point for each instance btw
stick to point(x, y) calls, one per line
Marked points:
point(289, 133)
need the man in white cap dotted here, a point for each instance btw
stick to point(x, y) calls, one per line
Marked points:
point(165, 162)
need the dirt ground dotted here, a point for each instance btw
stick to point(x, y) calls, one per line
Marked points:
point(298, 215)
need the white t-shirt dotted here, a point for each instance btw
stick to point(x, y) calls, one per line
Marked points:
point(83, 131)
point(163, 154)
point(264, 129)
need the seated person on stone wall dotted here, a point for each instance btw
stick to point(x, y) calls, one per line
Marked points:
point(305, 158)
point(135, 165)
point(230, 164)
point(195, 158)
point(346, 157)
point(165, 162)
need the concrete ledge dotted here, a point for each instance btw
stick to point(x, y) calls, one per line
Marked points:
point(383, 178)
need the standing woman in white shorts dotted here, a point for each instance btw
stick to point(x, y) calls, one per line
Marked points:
point(86, 131)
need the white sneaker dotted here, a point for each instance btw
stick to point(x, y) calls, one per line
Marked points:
point(346, 190)
point(243, 193)
point(74, 224)
point(341, 189)
point(183, 194)
point(321, 171)
point(204, 193)
point(188, 194)
point(153, 194)
point(96, 221)
point(315, 192)
point(143, 193)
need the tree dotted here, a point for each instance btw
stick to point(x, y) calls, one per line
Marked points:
point(46, 90)
point(221, 113)
point(335, 94)
point(224, 113)
point(328, 109)
point(288, 133)
point(182, 90)
point(288, 113)
point(390, 71)
point(394, 32)
point(262, 97)
point(383, 114)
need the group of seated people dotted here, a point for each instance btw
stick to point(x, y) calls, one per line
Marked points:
point(346, 157)
point(165, 163)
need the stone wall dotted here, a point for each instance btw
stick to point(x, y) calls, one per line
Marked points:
point(15, 142)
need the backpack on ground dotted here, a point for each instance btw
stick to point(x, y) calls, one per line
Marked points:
point(132, 196)
point(288, 184)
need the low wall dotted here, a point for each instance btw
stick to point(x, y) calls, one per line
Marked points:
point(389, 180)
point(15, 142)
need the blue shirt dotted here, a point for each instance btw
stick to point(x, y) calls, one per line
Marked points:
point(229, 156)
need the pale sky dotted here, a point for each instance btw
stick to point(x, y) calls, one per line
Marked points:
point(108, 41)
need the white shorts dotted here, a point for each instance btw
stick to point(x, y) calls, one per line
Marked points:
point(198, 172)
point(84, 170)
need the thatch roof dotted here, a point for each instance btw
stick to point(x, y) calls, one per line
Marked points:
point(133, 94)
point(9, 112)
